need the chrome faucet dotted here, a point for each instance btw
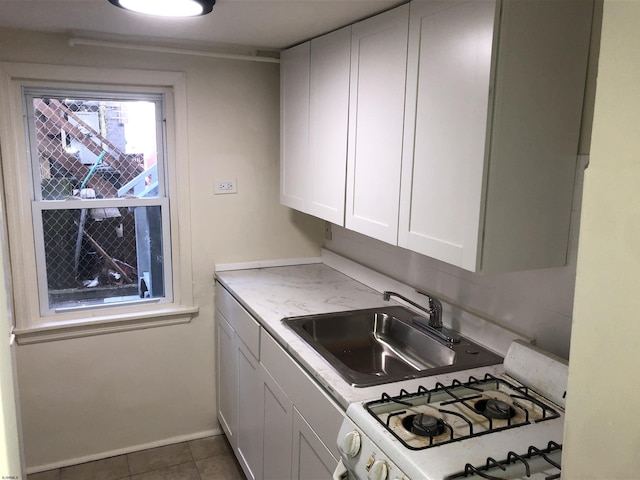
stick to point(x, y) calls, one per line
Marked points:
point(434, 311)
point(434, 325)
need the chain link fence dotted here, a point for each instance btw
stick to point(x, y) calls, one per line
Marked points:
point(83, 151)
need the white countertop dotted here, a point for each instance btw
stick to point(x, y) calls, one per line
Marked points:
point(272, 293)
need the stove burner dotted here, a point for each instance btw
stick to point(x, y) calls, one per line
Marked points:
point(424, 425)
point(493, 408)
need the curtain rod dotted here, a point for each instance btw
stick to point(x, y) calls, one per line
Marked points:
point(180, 51)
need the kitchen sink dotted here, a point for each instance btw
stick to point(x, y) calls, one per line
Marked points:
point(388, 344)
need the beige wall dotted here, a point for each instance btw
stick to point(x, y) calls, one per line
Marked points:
point(602, 423)
point(87, 396)
point(10, 455)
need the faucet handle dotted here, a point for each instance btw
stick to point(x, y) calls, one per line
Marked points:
point(435, 310)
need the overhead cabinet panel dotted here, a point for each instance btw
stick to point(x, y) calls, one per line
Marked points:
point(494, 105)
point(328, 123)
point(376, 119)
point(449, 75)
point(294, 126)
point(314, 109)
point(539, 93)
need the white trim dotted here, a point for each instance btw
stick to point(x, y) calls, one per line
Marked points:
point(90, 75)
point(78, 204)
point(286, 262)
point(16, 186)
point(179, 51)
point(123, 451)
point(30, 96)
point(108, 323)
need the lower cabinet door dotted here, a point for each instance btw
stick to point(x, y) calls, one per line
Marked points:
point(278, 431)
point(312, 460)
point(227, 385)
point(250, 412)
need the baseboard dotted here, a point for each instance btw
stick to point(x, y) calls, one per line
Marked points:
point(124, 451)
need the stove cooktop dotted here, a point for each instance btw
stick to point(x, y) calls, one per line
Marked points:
point(503, 423)
point(450, 413)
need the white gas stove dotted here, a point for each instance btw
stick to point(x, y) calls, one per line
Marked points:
point(488, 426)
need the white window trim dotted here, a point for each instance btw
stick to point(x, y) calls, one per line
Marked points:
point(31, 326)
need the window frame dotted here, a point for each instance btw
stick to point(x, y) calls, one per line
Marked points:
point(39, 205)
point(31, 325)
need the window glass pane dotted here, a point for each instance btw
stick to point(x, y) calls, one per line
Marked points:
point(109, 148)
point(103, 256)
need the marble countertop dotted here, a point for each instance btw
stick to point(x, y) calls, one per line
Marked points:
point(273, 293)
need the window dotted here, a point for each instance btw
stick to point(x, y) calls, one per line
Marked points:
point(97, 209)
point(99, 198)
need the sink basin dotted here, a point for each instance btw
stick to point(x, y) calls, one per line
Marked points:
point(381, 345)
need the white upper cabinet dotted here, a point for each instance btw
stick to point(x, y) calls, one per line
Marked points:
point(450, 53)
point(314, 112)
point(294, 126)
point(463, 128)
point(494, 104)
point(376, 118)
point(328, 123)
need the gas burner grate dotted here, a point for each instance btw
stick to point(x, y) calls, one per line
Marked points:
point(534, 462)
point(465, 410)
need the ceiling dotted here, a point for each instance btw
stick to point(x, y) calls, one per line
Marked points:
point(254, 24)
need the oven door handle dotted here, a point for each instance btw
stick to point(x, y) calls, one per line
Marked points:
point(341, 472)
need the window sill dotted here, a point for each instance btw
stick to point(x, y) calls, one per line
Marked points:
point(103, 324)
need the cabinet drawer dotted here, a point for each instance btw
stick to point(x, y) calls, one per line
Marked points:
point(318, 409)
point(246, 327)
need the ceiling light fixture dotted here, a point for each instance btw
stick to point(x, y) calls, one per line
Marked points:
point(167, 8)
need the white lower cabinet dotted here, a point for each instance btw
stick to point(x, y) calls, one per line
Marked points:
point(279, 422)
point(226, 370)
point(250, 412)
point(278, 425)
point(312, 460)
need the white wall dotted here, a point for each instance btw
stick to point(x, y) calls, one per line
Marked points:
point(83, 397)
point(602, 423)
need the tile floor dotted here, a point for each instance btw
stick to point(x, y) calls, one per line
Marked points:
point(206, 459)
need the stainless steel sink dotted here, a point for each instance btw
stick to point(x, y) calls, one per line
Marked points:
point(381, 345)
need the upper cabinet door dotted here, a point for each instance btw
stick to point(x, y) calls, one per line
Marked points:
point(376, 119)
point(314, 110)
point(294, 126)
point(448, 89)
point(494, 105)
point(540, 80)
point(328, 123)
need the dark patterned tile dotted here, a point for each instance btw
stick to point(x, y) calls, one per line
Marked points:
point(113, 468)
point(155, 458)
point(185, 471)
point(220, 467)
point(208, 447)
point(48, 475)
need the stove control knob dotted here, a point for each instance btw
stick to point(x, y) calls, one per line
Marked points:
point(351, 444)
point(378, 471)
